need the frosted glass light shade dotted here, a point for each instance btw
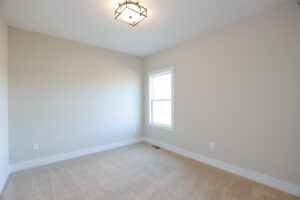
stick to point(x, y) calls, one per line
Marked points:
point(130, 12)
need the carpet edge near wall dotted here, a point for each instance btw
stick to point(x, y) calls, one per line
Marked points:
point(246, 173)
point(252, 175)
point(4, 179)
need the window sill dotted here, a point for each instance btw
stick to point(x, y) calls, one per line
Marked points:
point(161, 127)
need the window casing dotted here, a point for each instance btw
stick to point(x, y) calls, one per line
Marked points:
point(161, 99)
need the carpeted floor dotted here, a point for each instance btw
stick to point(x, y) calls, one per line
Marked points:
point(136, 172)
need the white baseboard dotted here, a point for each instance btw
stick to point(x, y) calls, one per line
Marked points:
point(255, 176)
point(65, 156)
point(4, 178)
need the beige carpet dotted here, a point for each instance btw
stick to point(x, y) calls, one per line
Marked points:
point(136, 172)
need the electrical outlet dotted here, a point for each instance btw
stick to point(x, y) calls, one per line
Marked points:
point(134, 130)
point(35, 146)
point(212, 146)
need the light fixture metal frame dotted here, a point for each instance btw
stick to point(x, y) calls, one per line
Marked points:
point(126, 2)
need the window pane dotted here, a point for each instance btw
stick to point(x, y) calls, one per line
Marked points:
point(162, 112)
point(162, 86)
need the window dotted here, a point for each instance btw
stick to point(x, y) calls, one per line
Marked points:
point(161, 99)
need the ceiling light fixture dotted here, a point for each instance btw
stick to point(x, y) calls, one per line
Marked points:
point(130, 12)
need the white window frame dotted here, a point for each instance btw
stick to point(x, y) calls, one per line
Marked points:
point(150, 100)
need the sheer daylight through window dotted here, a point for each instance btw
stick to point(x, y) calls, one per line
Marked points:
point(161, 98)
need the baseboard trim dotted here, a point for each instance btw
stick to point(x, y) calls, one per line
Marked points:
point(252, 175)
point(65, 156)
point(4, 178)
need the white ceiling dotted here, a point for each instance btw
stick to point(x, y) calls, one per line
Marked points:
point(92, 21)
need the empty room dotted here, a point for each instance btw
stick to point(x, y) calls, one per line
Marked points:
point(149, 100)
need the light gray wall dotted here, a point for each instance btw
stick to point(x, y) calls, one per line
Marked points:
point(239, 87)
point(68, 96)
point(3, 101)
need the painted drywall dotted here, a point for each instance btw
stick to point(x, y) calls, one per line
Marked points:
point(68, 96)
point(239, 87)
point(3, 103)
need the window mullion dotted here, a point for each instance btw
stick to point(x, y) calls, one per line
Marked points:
point(161, 99)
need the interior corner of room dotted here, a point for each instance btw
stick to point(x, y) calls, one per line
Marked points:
point(218, 104)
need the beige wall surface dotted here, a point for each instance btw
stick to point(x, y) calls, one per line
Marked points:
point(238, 87)
point(3, 100)
point(68, 96)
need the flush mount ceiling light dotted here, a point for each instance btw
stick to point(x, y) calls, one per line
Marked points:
point(130, 12)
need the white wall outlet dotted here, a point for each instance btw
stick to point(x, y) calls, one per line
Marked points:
point(35, 146)
point(135, 130)
point(212, 146)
